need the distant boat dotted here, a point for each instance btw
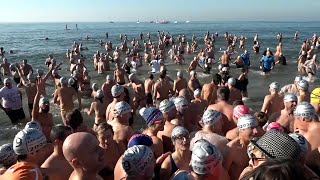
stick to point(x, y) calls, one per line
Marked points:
point(175, 22)
point(187, 21)
point(164, 22)
point(138, 22)
point(111, 22)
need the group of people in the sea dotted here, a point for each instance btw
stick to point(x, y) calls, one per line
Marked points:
point(191, 130)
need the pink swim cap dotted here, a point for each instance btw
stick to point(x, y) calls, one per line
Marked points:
point(275, 126)
point(240, 110)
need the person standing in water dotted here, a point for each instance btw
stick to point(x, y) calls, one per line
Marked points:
point(267, 63)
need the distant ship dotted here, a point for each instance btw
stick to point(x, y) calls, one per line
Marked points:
point(187, 21)
point(164, 22)
point(175, 22)
point(138, 22)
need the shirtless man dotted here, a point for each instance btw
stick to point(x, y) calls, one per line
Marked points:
point(209, 90)
point(119, 75)
point(285, 116)
point(50, 61)
point(201, 104)
point(106, 88)
point(181, 105)
point(273, 102)
point(162, 89)
point(148, 85)
point(193, 83)
point(118, 94)
point(5, 67)
point(304, 94)
point(179, 83)
point(65, 95)
point(223, 94)
point(98, 107)
point(84, 154)
point(235, 94)
point(139, 97)
point(26, 68)
point(225, 59)
point(193, 64)
point(56, 161)
point(120, 124)
point(307, 124)
point(179, 58)
point(291, 88)
point(169, 112)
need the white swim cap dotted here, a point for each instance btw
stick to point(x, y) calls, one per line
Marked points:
point(34, 125)
point(275, 86)
point(116, 90)
point(109, 77)
point(303, 143)
point(54, 72)
point(94, 86)
point(121, 108)
point(198, 143)
point(39, 72)
point(178, 130)
point(7, 80)
point(180, 74)
point(7, 155)
point(166, 106)
point(305, 109)
point(71, 81)
point(99, 94)
point(12, 67)
point(247, 121)
point(220, 67)
point(132, 77)
point(28, 141)
point(136, 159)
point(44, 100)
point(192, 73)
point(180, 101)
point(211, 117)
point(63, 81)
point(297, 78)
point(290, 97)
point(206, 159)
point(224, 69)
point(303, 85)
point(31, 77)
point(196, 93)
point(232, 81)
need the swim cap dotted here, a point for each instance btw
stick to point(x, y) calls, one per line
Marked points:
point(28, 141)
point(220, 67)
point(206, 159)
point(39, 72)
point(7, 155)
point(12, 67)
point(7, 80)
point(31, 77)
point(166, 106)
point(303, 85)
point(136, 159)
point(95, 86)
point(180, 101)
point(275, 86)
point(109, 77)
point(99, 94)
point(315, 96)
point(71, 81)
point(140, 139)
point(63, 80)
point(192, 73)
point(132, 76)
point(180, 74)
point(121, 108)
point(224, 69)
point(240, 110)
point(278, 145)
point(197, 93)
point(275, 126)
point(303, 143)
point(178, 130)
point(33, 124)
point(211, 117)
point(305, 109)
point(290, 97)
point(180, 175)
point(297, 78)
point(232, 81)
point(150, 115)
point(116, 90)
point(247, 121)
point(54, 72)
point(44, 100)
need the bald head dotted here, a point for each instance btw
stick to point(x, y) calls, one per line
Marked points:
point(185, 93)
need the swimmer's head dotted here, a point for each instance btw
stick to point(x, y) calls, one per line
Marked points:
point(193, 73)
point(132, 77)
point(275, 86)
point(211, 118)
point(180, 74)
point(5, 60)
point(305, 110)
point(303, 85)
point(232, 81)
point(117, 90)
point(297, 79)
point(109, 78)
point(99, 94)
point(197, 93)
point(71, 81)
point(31, 77)
point(7, 155)
point(44, 104)
point(94, 87)
point(64, 81)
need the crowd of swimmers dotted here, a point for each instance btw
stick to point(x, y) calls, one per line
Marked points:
point(191, 130)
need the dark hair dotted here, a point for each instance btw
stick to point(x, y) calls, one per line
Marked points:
point(21, 157)
point(276, 169)
point(103, 127)
point(244, 69)
point(237, 102)
point(58, 132)
point(74, 118)
point(216, 78)
point(163, 74)
point(223, 93)
point(151, 76)
point(262, 118)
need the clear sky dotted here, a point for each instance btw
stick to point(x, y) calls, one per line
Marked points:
point(147, 10)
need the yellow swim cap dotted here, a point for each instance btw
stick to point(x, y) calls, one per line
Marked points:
point(315, 96)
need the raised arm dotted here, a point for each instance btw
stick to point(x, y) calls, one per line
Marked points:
point(40, 91)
